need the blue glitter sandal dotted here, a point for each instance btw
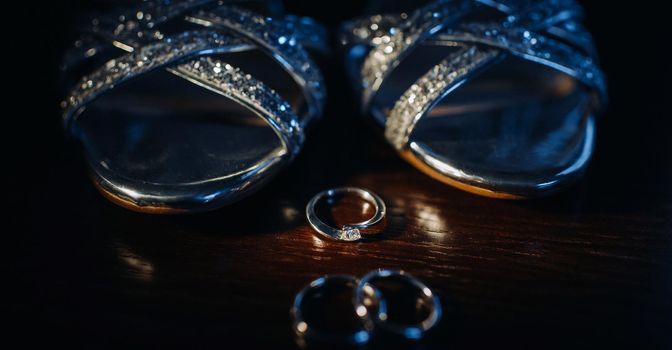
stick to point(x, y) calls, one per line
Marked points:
point(170, 121)
point(495, 97)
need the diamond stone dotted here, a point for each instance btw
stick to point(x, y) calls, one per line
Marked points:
point(350, 234)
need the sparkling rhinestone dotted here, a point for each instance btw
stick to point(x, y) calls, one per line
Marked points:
point(350, 234)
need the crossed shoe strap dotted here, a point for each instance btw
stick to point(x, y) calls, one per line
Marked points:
point(227, 29)
point(546, 32)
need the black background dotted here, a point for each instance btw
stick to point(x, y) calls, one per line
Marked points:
point(633, 40)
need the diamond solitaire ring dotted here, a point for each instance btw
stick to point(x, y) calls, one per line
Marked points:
point(348, 232)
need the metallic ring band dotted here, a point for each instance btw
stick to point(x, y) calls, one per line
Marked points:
point(348, 232)
point(379, 318)
point(302, 329)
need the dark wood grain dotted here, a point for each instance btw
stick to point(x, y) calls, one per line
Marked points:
point(591, 267)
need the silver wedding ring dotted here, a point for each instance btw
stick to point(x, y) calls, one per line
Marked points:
point(366, 290)
point(370, 306)
point(348, 232)
point(304, 331)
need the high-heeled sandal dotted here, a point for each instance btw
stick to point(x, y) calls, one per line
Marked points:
point(170, 120)
point(506, 98)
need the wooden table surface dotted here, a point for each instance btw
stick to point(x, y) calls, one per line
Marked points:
point(589, 267)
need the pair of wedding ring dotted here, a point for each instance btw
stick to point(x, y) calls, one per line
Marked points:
point(370, 306)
